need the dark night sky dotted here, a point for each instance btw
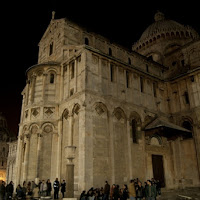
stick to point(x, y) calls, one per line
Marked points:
point(24, 22)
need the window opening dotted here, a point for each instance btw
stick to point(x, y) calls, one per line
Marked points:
point(86, 41)
point(51, 78)
point(154, 90)
point(72, 70)
point(187, 100)
point(127, 79)
point(141, 84)
point(51, 49)
point(110, 52)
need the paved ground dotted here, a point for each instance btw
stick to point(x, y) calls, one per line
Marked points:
point(181, 194)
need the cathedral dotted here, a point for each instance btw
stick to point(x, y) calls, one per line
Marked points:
point(116, 113)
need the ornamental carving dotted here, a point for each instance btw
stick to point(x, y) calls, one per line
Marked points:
point(35, 112)
point(48, 111)
point(48, 129)
point(66, 114)
point(76, 109)
point(100, 108)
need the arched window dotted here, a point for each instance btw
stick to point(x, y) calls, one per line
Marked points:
point(134, 130)
point(52, 78)
point(86, 41)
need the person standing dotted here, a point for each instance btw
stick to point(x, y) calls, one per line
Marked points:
point(49, 187)
point(106, 191)
point(36, 193)
point(140, 191)
point(150, 191)
point(56, 185)
point(3, 190)
point(131, 189)
point(112, 191)
point(43, 188)
point(125, 192)
point(116, 195)
point(9, 190)
point(63, 188)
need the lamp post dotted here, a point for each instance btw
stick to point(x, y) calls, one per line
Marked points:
point(70, 155)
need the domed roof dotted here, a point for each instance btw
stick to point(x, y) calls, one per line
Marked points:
point(164, 26)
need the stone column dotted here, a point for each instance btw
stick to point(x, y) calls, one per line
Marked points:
point(43, 86)
point(27, 92)
point(196, 130)
point(60, 135)
point(129, 150)
point(70, 155)
point(61, 82)
point(70, 138)
point(38, 157)
point(33, 88)
point(19, 157)
point(75, 75)
point(26, 156)
point(110, 118)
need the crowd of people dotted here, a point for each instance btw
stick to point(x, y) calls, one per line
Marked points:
point(32, 190)
point(134, 191)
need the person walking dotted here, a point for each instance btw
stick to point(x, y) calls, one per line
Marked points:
point(63, 188)
point(150, 191)
point(131, 189)
point(56, 185)
point(106, 191)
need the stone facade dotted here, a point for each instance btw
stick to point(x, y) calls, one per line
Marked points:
point(100, 97)
point(5, 137)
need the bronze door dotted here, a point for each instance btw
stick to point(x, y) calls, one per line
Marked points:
point(158, 170)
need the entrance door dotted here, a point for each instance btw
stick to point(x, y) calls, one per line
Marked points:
point(158, 170)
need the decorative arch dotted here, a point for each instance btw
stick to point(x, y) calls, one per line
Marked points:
point(76, 109)
point(34, 128)
point(136, 116)
point(47, 127)
point(157, 137)
point(65, 114)
point(100, 108)
point(119, 113)
point(52, 70)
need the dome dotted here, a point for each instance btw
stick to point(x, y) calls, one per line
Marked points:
point(163, 27)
